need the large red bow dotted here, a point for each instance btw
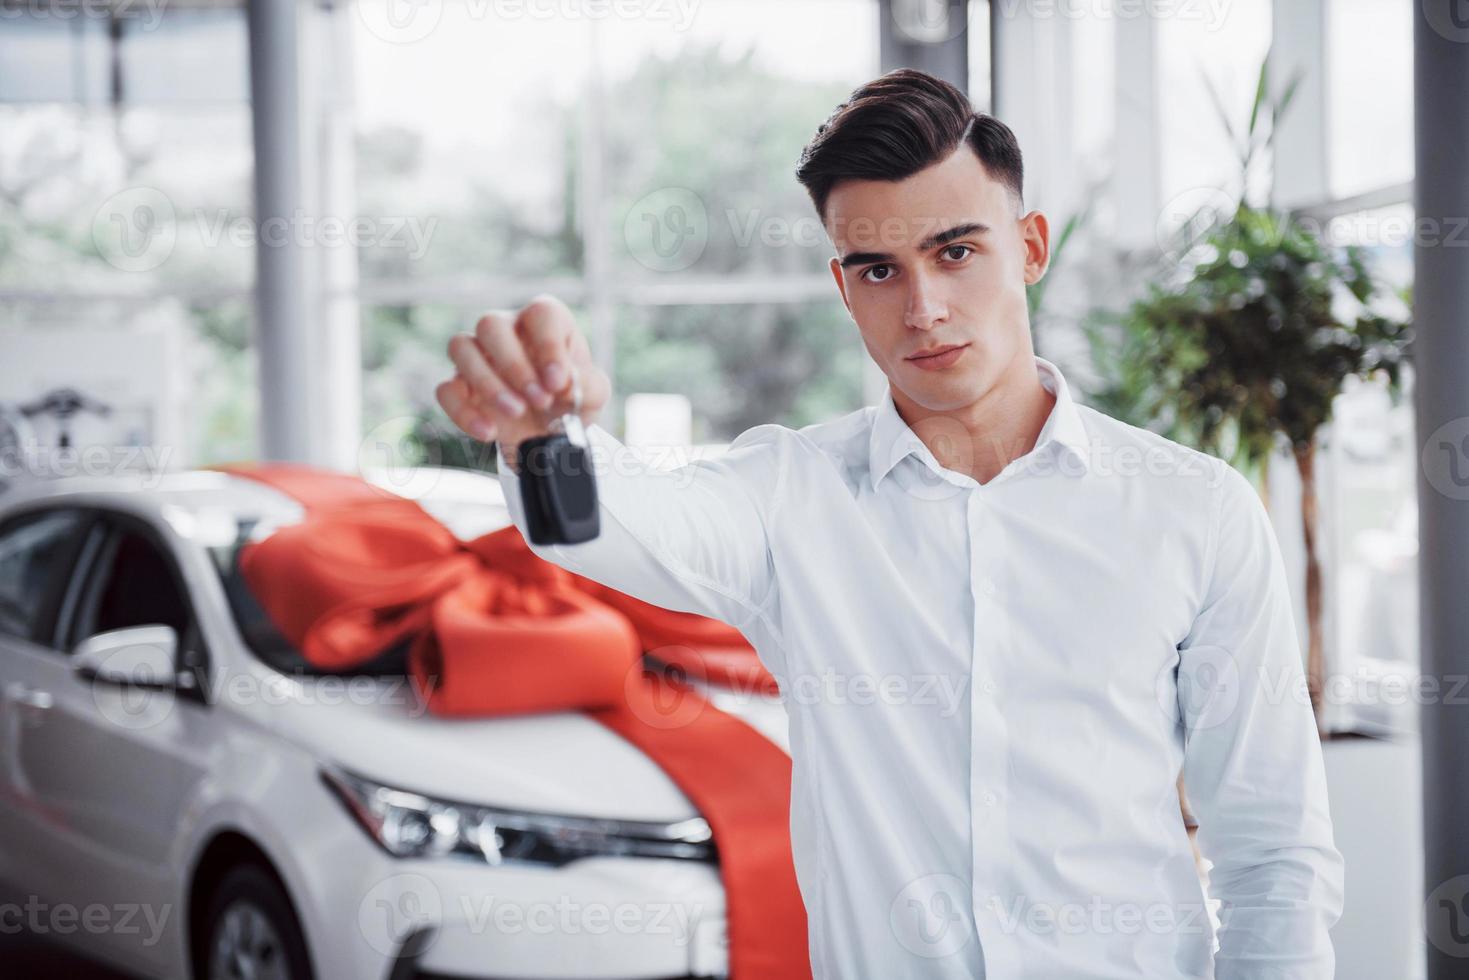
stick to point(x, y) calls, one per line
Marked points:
point(499, 631)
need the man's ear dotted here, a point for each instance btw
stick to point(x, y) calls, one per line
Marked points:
point(1035, 235)
point(836, 273)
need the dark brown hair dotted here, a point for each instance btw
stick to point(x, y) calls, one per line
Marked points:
point(898, 124)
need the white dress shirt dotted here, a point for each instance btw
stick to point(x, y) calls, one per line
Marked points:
point(991, 689)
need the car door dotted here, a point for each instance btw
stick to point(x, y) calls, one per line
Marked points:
point(38, 551)
point(115, 766)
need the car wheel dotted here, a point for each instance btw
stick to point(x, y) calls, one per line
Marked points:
point(250, 931)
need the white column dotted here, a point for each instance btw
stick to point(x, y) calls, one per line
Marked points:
point(1137, 174)
point(282, 285)
point(336, 397)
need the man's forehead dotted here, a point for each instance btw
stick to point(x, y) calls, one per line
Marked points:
point(884, 214)
point(894, 232)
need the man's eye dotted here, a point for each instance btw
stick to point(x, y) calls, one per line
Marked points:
point(867, 273)
point(965, 248)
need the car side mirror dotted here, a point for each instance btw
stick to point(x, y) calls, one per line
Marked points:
point(138, 656)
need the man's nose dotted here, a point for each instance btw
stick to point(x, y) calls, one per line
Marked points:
point(925, 303)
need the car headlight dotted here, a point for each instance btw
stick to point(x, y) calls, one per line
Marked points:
point(408, 824)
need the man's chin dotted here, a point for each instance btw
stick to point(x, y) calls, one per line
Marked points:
point(942, 391)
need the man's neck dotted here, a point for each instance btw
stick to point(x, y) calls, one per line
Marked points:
point(1001, 426)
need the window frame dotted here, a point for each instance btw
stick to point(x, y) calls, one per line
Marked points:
point(42, 633)
point(112, 524)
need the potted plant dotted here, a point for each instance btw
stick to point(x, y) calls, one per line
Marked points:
point(1243, 340)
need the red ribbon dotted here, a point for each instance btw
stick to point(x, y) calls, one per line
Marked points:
point(499, 631)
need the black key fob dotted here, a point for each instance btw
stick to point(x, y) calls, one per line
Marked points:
point(558, 487)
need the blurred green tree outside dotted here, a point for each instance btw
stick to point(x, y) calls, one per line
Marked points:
point(723, 127)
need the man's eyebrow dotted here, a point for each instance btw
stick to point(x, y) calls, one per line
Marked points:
point(958, 231)
point(863, 258)
point(933, 241)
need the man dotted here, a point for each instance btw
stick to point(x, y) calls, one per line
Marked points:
point(1023, 618)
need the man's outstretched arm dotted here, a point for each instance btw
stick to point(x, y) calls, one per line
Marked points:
point(692, 538)
point(1252, 757)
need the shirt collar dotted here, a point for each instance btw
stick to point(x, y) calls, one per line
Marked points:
point(891, 439)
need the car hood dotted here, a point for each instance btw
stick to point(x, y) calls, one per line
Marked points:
point(563, 762)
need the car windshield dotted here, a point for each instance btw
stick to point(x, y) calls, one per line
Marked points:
point(267, 642)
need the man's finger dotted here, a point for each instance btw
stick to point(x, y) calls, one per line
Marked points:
point(483, 380)
point(495, 333)
point(595, 391)
point(546, 327)
point(455, 399)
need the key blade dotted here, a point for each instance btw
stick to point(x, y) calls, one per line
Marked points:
point(574, 429)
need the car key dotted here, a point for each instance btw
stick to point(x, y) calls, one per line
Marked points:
point(557, 484)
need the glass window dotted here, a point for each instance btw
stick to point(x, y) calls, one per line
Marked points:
point(702, 136)
point(638, 167)
point(187, 56)
point(1375, 454)
point(1226, 48)
point(471, 131)
point(129, 203)
point(265, 640)
point(139, 221)
point(138, 588)
point(1371, 451)
point(1369, 94)
point(510, 168)
point(32, 553)
point(48, 59)
point(1093, 88)
point(403, 360)
point(981, 72)
point(63, 53)
point(129, 197)
point(744, 364)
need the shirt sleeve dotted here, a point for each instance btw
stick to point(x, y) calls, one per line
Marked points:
point(691, 538)
point(1252, 757)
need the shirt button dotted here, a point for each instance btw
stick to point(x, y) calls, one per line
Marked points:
point(989, 687)
point(987, 586)
point(990, 799)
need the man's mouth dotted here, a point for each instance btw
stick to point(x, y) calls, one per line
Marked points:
point(937, 358)
point(934, 351)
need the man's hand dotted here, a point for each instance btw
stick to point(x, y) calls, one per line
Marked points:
point(512, 376)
